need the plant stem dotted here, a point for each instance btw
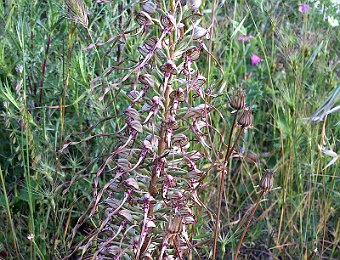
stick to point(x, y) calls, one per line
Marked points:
point(161, 143)
point(216, 230)
point(9, 214)
point(247, 226)
point(237, 138)
point(230, 135)
point(212, 22)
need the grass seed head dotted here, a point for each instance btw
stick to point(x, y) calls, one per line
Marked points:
point(77, 12)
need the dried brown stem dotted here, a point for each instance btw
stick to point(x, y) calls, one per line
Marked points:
point(224, 172)
point(247, 226)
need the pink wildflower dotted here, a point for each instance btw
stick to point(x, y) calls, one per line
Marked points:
point(255, 59)
point(303, 8)
point(244, 39)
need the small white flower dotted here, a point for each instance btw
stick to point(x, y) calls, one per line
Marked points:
point(332, 21)
point(30, 237)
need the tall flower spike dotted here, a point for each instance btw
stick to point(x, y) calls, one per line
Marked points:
point(266, 183)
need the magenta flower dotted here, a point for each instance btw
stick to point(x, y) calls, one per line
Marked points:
point(303, 8)
point(255, 59)
point(244, 39)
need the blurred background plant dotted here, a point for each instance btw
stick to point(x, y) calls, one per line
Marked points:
point(58, 129)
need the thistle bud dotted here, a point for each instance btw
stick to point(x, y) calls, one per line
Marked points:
point(266, 183)
point(238, 101)
point(246, 118)
point(149, 7)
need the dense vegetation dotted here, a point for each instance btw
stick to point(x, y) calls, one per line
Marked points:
point(162, 129)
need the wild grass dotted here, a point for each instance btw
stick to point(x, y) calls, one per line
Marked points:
point(54, 67)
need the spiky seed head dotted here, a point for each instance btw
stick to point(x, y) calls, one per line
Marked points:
point(237, 102)
point(246, 118)
point(266, 183)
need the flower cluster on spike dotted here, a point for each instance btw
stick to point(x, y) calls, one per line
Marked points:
point(146, 206)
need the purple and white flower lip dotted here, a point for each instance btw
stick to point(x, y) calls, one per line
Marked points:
point(304, 8)
point(255, 59)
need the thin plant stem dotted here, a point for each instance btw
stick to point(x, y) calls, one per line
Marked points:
point(230, 135)
point(247, 226)
point(212, 22)
point(216, 230)
point(237, 138)
point(220, 191)
point(15, 242)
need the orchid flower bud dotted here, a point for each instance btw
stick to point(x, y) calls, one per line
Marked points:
point(149, 7)
point(131, 112)
point(153, 109)
point(168, 21)
point(146, 79)
point(199, 33)
point(143, 19)
point(169, 68)
point(193, 53)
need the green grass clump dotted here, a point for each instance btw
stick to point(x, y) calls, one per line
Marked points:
point(55, 65)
